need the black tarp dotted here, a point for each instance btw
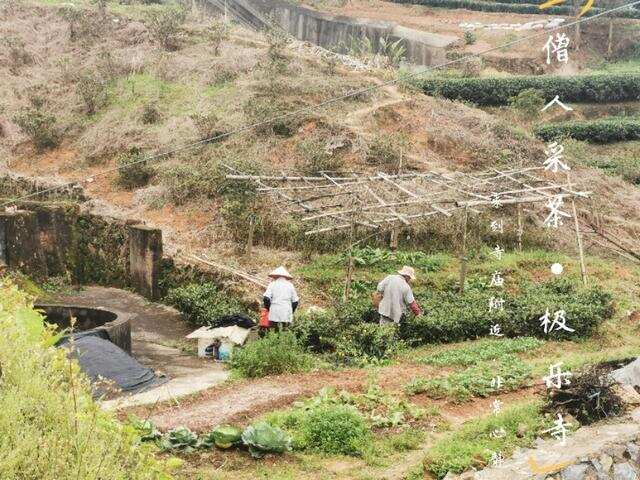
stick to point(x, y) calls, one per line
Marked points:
point(102, 360)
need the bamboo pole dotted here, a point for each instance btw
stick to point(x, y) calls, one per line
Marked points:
point(520, 227)
point(583, 268)
point(347, 283)
point(463, 256)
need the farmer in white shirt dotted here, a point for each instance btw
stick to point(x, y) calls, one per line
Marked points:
point(280, 298)
point(397, 296)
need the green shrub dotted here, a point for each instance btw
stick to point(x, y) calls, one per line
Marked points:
point(472, 445)
point(261, 109)
point(39, 126)
point(602, 88)
point(336, 430)
point(469, 37)
point(276, 353)
point(217, 33)
point(367, 342)
point(515, 7)
point(606, 130)
point(385, 150)
point(451, 316)
point(482, 350)
point(316, 158)
point(92, 92)
point(51, 426)
point(203, 303)
point(474, 381)
point(133, 169)
point(528, 102)
point(166, 26)
point(150, 113)
point(316, 330)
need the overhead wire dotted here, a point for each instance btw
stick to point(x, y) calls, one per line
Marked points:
point(319, 105)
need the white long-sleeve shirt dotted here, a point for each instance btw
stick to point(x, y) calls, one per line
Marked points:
point(282, 294)
point(396, 296)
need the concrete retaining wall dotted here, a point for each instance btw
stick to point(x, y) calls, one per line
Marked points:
point(332, 31)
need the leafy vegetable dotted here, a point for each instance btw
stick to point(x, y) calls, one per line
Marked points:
point(146, 429)
point(225, 436)
point(262, 438)
point(180, 438)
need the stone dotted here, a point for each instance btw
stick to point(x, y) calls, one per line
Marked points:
point(521, 430)
point(616, 451)
point(575, 472)
point(606, 461)
point(145, 256)
point(629, 374)
point(634, 452)
point(624, 471)
point(449, 476)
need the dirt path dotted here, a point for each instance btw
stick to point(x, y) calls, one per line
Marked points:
point(242, 401)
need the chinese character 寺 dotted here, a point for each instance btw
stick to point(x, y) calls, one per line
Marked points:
point(497, 252)
point(559, 429)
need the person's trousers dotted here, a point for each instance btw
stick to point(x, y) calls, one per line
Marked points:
point(384, 320)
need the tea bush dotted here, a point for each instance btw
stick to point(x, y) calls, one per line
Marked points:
point(203, 303)
point(601, 88)
point(39, 126)
point(335, 430)
point(166, 26)
point(528, 102)
point(275, 353)
point(607, 130)
point(133, 170)
point(451, 316)
point(51, 426)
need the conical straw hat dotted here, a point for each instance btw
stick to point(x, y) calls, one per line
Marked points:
point(408, 271)
point(280, 272)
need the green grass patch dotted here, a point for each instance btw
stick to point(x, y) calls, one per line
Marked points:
point(474, 444)
point(482, 350)
point(475, 381)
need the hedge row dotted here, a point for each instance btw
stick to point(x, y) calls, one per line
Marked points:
point(603, 88)
point(596, 131)
point(454, 317)
point(481, 6)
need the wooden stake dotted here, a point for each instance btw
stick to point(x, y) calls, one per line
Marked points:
point(520, 227)
point(583, 268)
point(393, 244)
point(252, 228)
point(347, 284)
point(463, 256)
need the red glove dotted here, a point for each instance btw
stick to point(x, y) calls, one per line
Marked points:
point(415, 308)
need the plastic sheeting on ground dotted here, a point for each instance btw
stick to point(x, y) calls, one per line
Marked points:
point(102, 360)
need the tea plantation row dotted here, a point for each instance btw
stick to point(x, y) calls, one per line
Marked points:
point(602, 88)
point(596, 131)
point(516, 7)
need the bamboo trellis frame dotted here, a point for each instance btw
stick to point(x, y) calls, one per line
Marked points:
point(328, 203)
point(381, 201)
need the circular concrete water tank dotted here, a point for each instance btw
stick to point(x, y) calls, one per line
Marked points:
point(116, 324)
